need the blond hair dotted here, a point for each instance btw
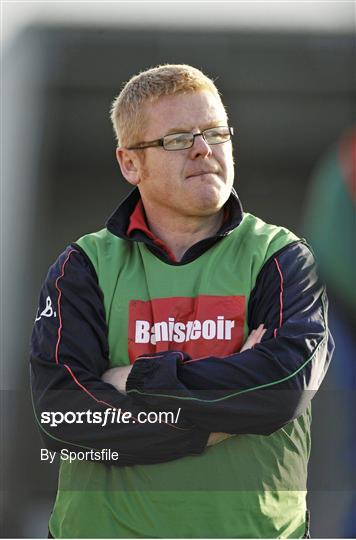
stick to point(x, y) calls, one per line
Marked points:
point(127, 111)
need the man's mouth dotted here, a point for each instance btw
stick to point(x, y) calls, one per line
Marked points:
point(200, 173)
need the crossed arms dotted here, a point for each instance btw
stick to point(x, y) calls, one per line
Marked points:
point(257, 390)
point(118, 377)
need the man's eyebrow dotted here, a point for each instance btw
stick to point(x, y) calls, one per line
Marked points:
point(215, 123)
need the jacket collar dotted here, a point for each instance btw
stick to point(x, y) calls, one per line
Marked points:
point(119, 223)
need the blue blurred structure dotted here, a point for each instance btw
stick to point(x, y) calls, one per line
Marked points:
point(330, 226)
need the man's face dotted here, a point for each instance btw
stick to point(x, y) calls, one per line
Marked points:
point(196, 181)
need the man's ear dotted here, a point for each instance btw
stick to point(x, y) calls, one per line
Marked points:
point(129, 165)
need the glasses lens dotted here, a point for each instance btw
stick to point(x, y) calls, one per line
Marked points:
point(217, 135)
point(178, 141)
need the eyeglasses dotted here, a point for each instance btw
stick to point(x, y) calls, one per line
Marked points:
point(181, 141)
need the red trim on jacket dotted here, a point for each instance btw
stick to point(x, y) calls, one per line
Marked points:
point(280, 296)
point(59, 333)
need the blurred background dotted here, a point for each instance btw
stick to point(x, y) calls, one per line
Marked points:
point(286, 71)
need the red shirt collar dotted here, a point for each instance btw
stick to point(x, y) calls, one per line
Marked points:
point(138, 221)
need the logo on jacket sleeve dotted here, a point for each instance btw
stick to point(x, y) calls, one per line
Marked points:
point(200, 326)
point(48, 311)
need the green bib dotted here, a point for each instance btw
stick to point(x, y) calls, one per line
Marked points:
point(248, 486)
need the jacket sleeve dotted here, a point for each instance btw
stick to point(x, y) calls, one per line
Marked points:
point(69, 353)
point(261, 389)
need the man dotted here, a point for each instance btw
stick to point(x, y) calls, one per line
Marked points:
point(151, 314)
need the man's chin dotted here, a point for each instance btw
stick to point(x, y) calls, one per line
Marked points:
point(207, 204)
point(213, 196)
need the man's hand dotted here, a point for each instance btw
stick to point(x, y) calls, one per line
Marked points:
point(252, 340)
point(215, 438)
point(117, 377)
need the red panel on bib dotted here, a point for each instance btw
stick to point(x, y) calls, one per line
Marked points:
point(201, 326)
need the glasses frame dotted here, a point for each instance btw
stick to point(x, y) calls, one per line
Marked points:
point(160, 142)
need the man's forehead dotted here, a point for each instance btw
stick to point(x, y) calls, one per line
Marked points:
point(185, 111)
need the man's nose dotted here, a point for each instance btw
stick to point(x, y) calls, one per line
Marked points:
point(200, 147)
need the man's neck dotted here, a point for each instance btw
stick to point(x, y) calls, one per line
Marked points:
point(179, 233)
